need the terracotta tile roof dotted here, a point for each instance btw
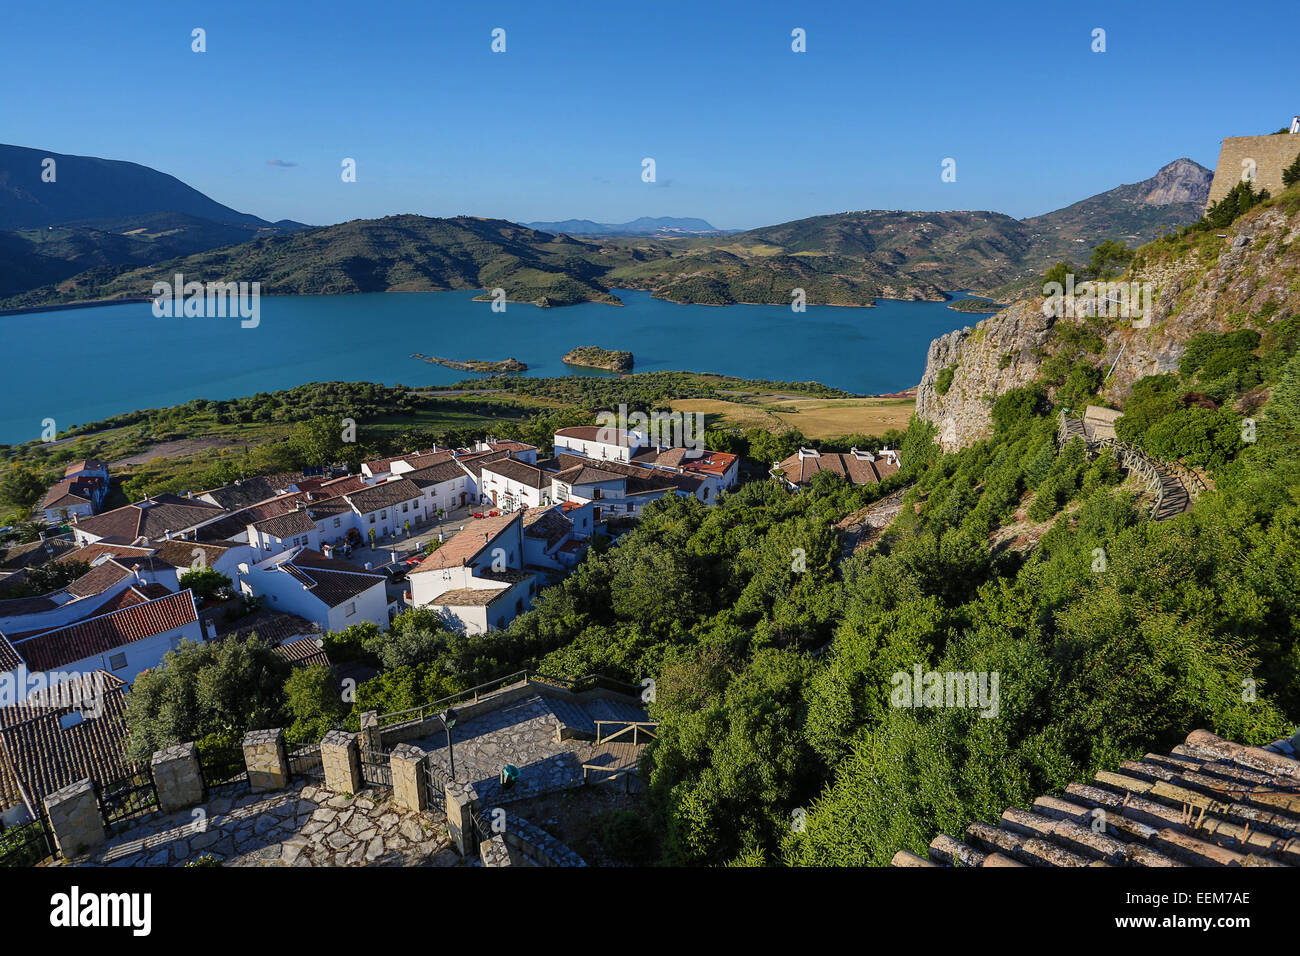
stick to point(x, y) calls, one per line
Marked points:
point(290, 524)
point(585, 475)
point(469, 597)
point(151, 518)
point(73, 491)
point(383, 495)
point(180, 554)
point(10, 660)
point(608, 436)
point(33, 554)
point(28, 605)
point(802, 465)
point(521, 472)
point(275, 628)
point(641, 479)
point(702, 462)
point(1210, 802)
point(38, 755)
point(464, 546)
point(136, 594)
point(341, 486)
point(98, 579)
point(243, 493)
point(54, 648)
point(88, 464)
point(326, 507)
point(436, 474)
point(510, 445)
point(107, 548)
point(473, 464)
point(232, 525)
point(381, 465)
point(429, 459)
point(330, 581)
point(304, 652)
point(549, 525)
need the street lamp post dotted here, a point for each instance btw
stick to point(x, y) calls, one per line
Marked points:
point(449, 721)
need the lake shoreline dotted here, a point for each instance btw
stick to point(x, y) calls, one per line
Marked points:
point(480, 297)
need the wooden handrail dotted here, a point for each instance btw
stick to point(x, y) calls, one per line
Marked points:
point(636, 726)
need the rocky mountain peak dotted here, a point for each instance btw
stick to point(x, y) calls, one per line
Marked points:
point(1183, 180)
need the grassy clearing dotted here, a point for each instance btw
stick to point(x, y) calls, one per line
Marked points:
point(815, 417)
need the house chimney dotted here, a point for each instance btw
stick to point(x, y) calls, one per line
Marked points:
point(135, 568)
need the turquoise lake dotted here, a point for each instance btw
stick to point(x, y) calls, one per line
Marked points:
point(82, 365)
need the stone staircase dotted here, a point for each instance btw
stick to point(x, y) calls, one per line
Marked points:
point(1166, 488)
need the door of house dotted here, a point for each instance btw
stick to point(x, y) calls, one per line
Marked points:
point(595, 512)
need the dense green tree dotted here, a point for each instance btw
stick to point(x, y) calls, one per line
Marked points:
point(223, 687)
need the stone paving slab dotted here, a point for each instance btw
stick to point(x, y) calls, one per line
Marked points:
point(307, 827)
point(520, 733)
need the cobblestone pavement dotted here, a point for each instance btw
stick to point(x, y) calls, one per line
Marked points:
point(307, 827)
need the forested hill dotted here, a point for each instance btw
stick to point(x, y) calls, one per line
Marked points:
point(397, 253)
point(849, 258)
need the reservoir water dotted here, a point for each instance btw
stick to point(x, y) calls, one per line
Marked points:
point(82, 365)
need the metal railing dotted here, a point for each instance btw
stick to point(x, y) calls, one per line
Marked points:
point(123, 801)
point(476, 693)
point(220, 765)
point(1133, 459)
point(27, 844)
point(305, 760)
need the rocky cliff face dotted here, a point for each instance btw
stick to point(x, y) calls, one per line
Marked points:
point(1247, 278)
point(998, 354)
point(1180, 181)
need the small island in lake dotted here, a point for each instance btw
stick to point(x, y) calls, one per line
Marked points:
point(474, 365)
point(592, 356)
point(976, 304)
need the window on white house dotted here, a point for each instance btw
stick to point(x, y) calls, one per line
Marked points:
point(404, 506)
point(117, 662)
point(351, 609)
point(384, 514)
point(372, 519)
point(337, 522)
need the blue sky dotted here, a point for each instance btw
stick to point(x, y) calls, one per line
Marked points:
point(744, 132)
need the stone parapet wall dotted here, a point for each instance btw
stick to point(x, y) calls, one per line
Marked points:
point(1271, 155)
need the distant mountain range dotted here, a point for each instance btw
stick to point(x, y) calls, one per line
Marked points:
point(119, 227)
point(663, 226)
point(103, 213)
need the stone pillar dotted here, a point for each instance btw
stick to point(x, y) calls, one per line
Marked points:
point(341, 761)
point(462, 798)
point(177, 777)
point(75, 819)
point(369, 739)
point(266, 760)
point(407, 761)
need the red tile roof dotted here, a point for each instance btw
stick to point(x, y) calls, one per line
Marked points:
point(38, 755)
point(151, 518)
point(801, 466)
point(464, 546)
point(57, 647)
